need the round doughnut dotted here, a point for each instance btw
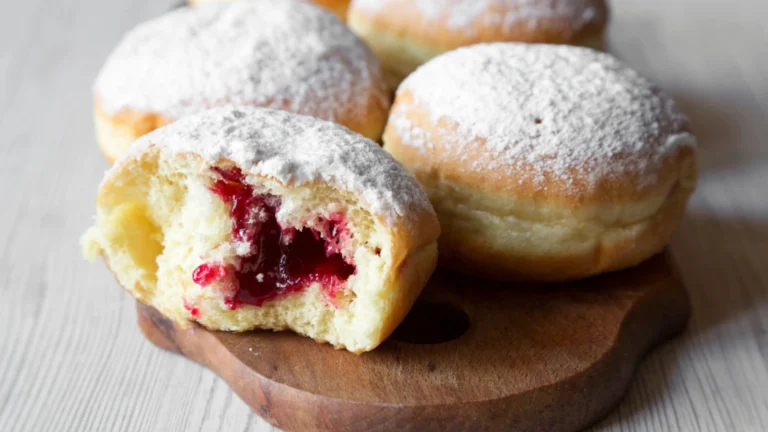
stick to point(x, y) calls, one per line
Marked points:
point(338, 7)
point(241, 218)
point(405, 34)
point(543, 162)
point(288, 55)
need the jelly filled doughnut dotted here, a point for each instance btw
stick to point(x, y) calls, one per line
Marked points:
point(543, 162)
point(338, 7)
point(244, 218)
point(287, 54)
point(405, 34)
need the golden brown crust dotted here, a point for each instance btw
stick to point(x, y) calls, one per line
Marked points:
point(370, 123)
point(338, 7)
point(399, 36)
point(116, 132)
point(404, 18)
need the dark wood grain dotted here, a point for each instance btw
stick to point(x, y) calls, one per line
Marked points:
point(532, 358)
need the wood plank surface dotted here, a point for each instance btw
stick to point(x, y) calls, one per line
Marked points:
point(72, 359)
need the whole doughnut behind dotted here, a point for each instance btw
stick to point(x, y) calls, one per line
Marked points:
point(405, 34)
point(543, 162)
point(288, 55)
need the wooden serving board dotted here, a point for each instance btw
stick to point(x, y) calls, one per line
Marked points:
point(472, 355)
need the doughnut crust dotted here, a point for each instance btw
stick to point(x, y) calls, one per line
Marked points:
point(544, 163)
point(405, 34)
point(218, 217)
point(287, 55)
point(338, 7)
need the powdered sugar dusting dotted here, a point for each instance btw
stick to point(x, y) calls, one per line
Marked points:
point(562, 111)
point(412, 135)
point(296, 150)
point(282, 54)
point(461, 15)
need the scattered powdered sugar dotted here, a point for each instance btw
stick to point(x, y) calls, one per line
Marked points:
point(282, 54)
point(414, 136)
point(505, 14)
point(296, 150)
point(558, 110)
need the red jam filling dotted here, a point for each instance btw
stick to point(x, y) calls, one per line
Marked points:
point(279, 261)
point(209, 273)
point(194, 310)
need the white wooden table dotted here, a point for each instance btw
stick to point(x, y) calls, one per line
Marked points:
point(72, 359)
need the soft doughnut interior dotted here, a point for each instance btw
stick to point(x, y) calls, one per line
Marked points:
point(232, 252)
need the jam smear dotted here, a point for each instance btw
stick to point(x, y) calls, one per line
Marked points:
point(209, 273)
point(279, 261)
point(194, 310)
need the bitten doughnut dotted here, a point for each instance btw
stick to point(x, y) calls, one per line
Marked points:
point(244, 218)
point(405, 34)
point(543, 162)
point(287, 55)
point(338, 7)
